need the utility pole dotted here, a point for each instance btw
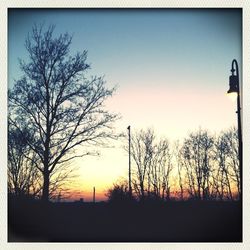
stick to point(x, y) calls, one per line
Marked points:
point(94, 195)
point(129, 162)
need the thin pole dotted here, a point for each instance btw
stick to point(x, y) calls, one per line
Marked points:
point(239, 125)
point(94, 195)
point(129, 162)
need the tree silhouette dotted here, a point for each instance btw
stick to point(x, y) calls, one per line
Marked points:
point(227, 176)
point(233, 157)
point(55, 102)
point(141, 152)
point(153, 165)
point(119, 193)
point(222, 176)
point(196, 159)
point(179, 163)
point(23, 176)
point(208, 166)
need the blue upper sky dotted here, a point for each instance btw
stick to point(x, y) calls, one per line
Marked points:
point(128, 43)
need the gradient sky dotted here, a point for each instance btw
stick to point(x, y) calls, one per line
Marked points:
point(171, 67)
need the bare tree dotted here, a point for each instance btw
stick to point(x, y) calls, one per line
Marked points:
point(179, 163)
point(23, 176)
point(59, 107)
point(196, 150)
point(222, 174)
point(233, 158)
point(226, 160)
point(141, 152)
point(208, 166)
point(161, 169)
point(153, 165)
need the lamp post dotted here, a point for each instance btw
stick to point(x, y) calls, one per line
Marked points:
point(129, 162)
point(234, 87)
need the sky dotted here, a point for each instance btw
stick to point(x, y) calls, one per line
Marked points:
point(170, 66)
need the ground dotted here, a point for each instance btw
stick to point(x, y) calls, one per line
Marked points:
point(190, 221)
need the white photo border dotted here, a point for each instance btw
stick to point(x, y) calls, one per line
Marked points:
point(244, 4)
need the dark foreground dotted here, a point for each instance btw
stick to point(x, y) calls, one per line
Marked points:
point(101, 222)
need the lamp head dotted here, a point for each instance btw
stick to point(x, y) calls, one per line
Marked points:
point(233, 84)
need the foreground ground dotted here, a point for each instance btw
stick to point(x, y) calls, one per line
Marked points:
point(102, 222)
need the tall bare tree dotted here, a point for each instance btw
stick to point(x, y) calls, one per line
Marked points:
point(141, 152)
point(153, 165)
point(226, 177)
point(179, 163)
point(54, 101)
point(233, 157)
point(222, 180)
point(196, 150)
point(161, 169)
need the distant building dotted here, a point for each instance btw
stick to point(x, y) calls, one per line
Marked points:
point(81, 200)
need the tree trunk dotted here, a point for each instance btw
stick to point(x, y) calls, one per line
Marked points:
point(142, 191)
point(45, 194)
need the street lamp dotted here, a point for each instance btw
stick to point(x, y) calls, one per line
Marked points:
point(234, 87)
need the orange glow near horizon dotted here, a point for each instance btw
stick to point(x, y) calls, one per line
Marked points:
point(87, 196)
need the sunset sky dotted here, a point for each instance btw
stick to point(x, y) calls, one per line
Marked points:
point(170, 66)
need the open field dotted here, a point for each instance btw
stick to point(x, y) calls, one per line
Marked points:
point(190, 221)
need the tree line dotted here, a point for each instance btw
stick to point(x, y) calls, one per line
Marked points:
point(201, 167)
